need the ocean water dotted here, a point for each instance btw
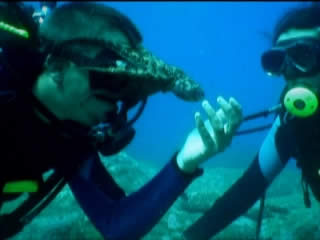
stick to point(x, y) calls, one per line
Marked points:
point(219, 45)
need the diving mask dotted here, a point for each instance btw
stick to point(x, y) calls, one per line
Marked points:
point(293, 58)
point(296, 59)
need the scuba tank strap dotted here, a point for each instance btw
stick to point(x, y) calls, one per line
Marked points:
point(274, 110)
point(260, 216)
point(23, 215)
point(306, 193)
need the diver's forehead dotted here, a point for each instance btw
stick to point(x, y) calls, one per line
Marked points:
point(291, 34)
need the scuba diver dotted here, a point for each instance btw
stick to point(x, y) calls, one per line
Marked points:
point(69, 77)
point(295, 55)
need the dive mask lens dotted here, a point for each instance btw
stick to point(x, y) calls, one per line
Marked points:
point(299, 57)
point(273, 61)
point(303, 57)
point(105, 81)
point(101, 80)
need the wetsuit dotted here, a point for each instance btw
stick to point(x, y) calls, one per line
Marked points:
point(31, 147)
point(276, 150)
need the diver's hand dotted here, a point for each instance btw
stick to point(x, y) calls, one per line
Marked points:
point(212, 136)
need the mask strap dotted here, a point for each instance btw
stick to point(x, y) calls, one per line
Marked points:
point(65, 127)
point(305, 189)
point(140, 110)
point(121, 120)
point(43, 110)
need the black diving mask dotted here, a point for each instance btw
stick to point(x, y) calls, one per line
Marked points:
point(100, 80)
point(293, 58)
point(102, 67)
point(296, 60)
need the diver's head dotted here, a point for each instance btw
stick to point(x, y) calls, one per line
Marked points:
point(96, 70)
point(295, 55)
point(89, 20)
point(67, 86)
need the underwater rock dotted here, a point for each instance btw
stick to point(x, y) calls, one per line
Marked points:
point(285, 216)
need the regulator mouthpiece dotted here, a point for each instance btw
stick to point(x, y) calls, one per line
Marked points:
point(301, 102)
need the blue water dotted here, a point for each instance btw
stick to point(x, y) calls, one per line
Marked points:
point(219, 44)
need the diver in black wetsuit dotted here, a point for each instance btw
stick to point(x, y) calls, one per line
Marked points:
point(295, 55)
point(65, 93)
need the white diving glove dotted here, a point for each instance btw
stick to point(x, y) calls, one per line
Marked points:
point(212, 136)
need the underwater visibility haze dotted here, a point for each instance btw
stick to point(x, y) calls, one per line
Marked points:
point(219, 44)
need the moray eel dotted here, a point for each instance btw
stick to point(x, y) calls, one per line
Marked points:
point(147, 73)
point(160, 76)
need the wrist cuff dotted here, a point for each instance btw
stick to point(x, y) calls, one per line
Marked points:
point(196, 173)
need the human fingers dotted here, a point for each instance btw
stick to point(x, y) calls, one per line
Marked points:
point(225, 106)
point(215, 121)
point(236, 107)
point(226, 114)
point(235, 115)
point(204, 133)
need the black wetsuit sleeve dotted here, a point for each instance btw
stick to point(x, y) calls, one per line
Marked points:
point(245, 191)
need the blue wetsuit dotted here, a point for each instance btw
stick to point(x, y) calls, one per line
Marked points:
point(31, 147)
point(117, 216)
point(274, 153)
